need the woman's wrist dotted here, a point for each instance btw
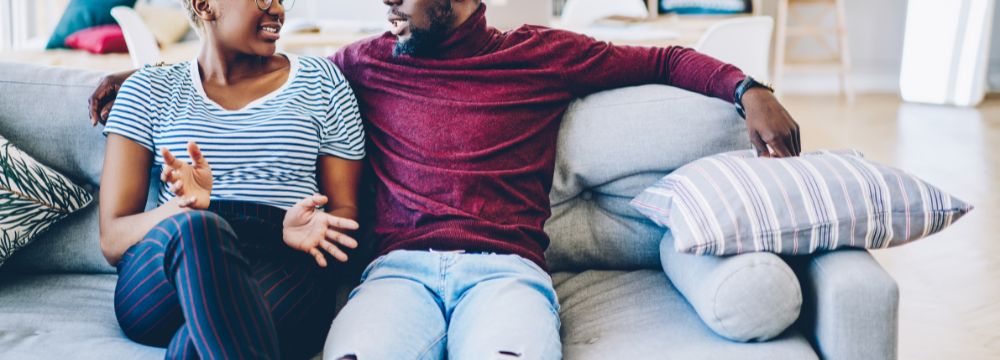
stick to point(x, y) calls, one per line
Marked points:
point(175, 206)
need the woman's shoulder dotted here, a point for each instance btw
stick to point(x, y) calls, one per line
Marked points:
point(161, 76)
point(321, 67)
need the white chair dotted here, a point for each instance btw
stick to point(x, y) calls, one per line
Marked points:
point(744, 42)
point(142, 45)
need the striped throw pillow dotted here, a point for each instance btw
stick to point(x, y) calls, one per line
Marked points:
point(735, 203)
point(32, 198)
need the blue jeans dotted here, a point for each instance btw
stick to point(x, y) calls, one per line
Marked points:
point(437, 305)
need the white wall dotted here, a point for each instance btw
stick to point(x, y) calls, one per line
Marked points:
point(6, 26)
point(876, 30)
point(27, 24)
point(356, 10)
point(995, 52)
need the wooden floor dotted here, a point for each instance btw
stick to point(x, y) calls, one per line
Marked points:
point(950, 282)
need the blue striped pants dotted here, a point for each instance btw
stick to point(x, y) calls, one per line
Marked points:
point(221, 284)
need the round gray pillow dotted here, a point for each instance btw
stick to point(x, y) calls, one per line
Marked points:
point(749, 297)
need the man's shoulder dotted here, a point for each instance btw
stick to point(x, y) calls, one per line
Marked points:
point(546, 33)
point(353, 51)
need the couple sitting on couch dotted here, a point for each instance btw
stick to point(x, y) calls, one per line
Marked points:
point(462, 120)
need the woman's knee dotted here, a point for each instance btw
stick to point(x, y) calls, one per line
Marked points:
point(147, 309)
point(197, 225)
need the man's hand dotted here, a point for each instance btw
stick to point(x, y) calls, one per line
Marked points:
point(104, 97)
point(773, 132)
point(191, 182)
point(308, 229)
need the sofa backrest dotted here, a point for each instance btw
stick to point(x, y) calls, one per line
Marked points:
point(611, 146)
point(614, 144)
point(43, 111)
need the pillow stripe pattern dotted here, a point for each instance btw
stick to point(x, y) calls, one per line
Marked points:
point(32, 197)
point(735, 203)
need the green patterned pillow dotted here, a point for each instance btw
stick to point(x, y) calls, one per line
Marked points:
point(32, 198)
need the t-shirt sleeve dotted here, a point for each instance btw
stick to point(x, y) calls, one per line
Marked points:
point(132, 115)
point(345, 133)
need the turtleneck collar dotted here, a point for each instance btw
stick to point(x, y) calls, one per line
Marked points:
point(467, 39)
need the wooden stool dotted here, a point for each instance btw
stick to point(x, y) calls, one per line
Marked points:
point(815, 28)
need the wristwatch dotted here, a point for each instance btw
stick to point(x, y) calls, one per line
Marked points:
point(741, 89)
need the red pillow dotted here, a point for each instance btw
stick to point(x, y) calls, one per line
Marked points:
point(102, 39)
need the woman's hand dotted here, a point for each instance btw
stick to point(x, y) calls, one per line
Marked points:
point(308, 228)
point(190, 182)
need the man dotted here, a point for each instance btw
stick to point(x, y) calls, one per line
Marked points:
point(462, 121)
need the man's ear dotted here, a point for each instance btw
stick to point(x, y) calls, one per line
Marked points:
point(204, 9)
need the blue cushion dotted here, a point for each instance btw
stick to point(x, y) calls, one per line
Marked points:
point(83, 14)
point(690, 7)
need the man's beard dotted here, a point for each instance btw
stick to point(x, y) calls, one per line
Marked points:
point(422, 42)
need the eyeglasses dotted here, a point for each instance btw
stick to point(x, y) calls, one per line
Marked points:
point(265, 5)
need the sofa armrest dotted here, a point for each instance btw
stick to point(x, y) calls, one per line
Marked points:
point(850, 306)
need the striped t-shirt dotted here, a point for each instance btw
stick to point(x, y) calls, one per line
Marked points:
point(266, 152)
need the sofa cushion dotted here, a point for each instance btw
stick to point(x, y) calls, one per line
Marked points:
point(167, 20)
point(737, 203)
point(57, 133)
point(104, 39)
point(749, 297)
point(639, 315)
point(63, 317)
point(70, 246)
point(605, 315)
point(45, 114)
point(82, 14)
point(611, 146)
point(32, 198)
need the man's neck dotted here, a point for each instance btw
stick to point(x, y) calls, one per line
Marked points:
point(463, 11)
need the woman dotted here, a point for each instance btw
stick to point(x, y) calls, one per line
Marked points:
point(206, 272)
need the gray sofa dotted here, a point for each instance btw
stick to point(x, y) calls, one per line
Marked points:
point(622, 298)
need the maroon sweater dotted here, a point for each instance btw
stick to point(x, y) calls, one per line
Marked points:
point(463, 145)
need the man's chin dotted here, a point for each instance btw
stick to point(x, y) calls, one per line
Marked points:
point(418, 42)
point(404, 47)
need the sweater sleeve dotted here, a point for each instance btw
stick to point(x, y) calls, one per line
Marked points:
point(591, 66)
